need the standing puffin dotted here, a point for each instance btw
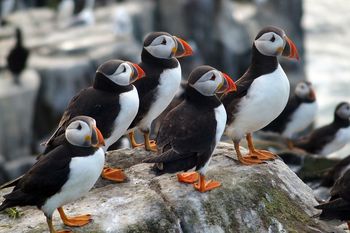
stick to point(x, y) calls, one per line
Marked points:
point(189, 133)
point(262, 92)
point(299, 113)
point(332, 137)
point(162, 81)
point(112, 101)
point(338, 207)
point(65, 174)
point(17, 58)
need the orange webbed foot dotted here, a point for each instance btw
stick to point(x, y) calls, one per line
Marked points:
point(78, 221)
point(188, 177)
point(264, 154)
point(204, 186)
point(63, 231)
point(112, 174)
point(250, 160)
point(151, 146)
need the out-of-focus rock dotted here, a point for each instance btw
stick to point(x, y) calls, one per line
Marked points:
point(261, 198)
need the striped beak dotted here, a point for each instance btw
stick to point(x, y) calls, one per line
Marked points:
point(290, 50)
point(97, 138)
point(183, 49)
point(137, 73)
point(228, 85)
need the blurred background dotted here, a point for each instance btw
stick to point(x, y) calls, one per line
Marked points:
point(67, 40)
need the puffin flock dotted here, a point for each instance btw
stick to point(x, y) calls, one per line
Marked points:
point(126, 97)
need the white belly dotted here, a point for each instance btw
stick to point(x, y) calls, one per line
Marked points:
point(169, 84)
point(84, 172)
point(342, 138)
point(267, 97)
point(300, 119)
point(129, 105)
point(220, 116)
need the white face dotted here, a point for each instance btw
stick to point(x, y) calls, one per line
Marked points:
point(270, 44)
point(122, 75)
point(163, 47)
point(209, 83)
point(302, 90)
point(79, 133)
point(344, 111)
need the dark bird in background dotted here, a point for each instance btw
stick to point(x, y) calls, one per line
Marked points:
point(338, 207)
point(190, 132)
point(17, 58)
point(299, 113)
point(335, 172)
point(329, 138)
point(64, 175)
point(262, 93)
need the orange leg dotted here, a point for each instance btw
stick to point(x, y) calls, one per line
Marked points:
point(260, 154)
point(77, 221)
point(203, 186)
point(52, 230)
point(133, 141)
point(188, 177)
point(246, 160)
point(150, 145)
point(113, 174)
point(290, 144)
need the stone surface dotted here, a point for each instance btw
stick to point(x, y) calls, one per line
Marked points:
point(262, 198)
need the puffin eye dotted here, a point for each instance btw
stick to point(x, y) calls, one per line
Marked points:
point(79, 127)
point(163, 41)
point(273, 38)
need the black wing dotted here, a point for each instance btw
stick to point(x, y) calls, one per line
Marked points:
point(333, 174)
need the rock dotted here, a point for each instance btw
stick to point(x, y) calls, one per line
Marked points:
point(262, 198)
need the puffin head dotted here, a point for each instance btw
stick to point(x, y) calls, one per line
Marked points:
point(342, 111)
point(165, 46)
point(304, 90)
point(272, 41)
point(120, 72)
point(82, 132)
point(208, 81)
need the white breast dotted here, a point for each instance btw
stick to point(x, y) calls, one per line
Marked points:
point(169, 83)
point(341, 138)
point(301, 119)
point(266, 98)
point(129, 105)
point(84, 172)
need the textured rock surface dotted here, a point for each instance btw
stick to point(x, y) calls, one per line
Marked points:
point(264, 198)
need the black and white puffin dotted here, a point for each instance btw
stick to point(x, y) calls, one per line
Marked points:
point(299, 113)
point(17, 58)
point(65, 174)
point(332, 137)
point(335, 172)
point(189, 133)
point(262, 92)
point(112, 101)
point(162, 81)
point(338, 207)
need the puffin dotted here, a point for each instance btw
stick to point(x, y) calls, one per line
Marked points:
point(17, 58)
point(329, 138)
point(299, 113)
point(262, 92)
point(335, 172)
point(64, 175)
point(112, 101)
point(338, 207)
point(190, 132)
point(161, 83)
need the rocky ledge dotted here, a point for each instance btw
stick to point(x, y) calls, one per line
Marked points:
point(261, 198)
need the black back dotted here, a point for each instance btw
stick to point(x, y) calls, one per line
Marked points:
point(336, 171)
point(18, 56)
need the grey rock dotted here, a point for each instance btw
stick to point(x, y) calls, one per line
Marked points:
point(262, 198)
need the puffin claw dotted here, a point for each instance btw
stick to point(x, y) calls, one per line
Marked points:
point(113, 174)
point(188, 177)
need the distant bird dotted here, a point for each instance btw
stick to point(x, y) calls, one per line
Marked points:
point(338, 207)
point(112, 101)
point(190, 132)
point(335, 172)
point(17, 58)
point(332, 137)
point(299, 113)
point(122, 23)
point(162, 81)
point(65, 12)
point(64, 175)
point(86, 16)
point(262, 92)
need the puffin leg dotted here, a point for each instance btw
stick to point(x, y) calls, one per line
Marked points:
point(52, 230)
point(188, 177)
point(113, 174)
point(246, 160)
point(133, 141)
point(150, 145)
point(260, 154)
point(203, 186)
point(77, 221)
point(290, 144)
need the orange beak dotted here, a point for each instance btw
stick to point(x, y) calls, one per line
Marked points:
point(312, 95)
point(183, 48)
point(290, 50)
point(100, 140)
point(228, 86)
point(137, 72)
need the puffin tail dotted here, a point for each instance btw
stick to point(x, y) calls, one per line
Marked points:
point(11, 183)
